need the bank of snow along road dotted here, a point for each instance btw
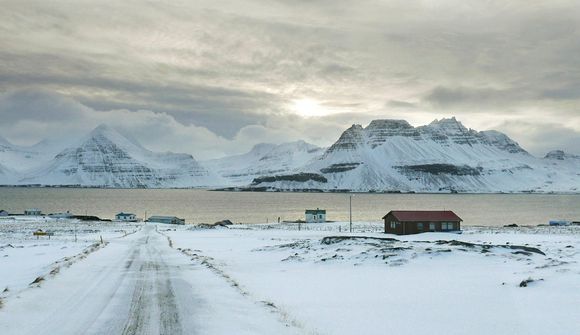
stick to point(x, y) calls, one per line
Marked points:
point(136, 285)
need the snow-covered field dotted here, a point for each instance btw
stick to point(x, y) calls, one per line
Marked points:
point(25, 257)
point(276, 279)
point(433, 283)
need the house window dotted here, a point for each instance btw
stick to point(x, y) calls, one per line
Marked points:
point(432, 226)
point(393, 225)
point(420, 226)
point(447, 226)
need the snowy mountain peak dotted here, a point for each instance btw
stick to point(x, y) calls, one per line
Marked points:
point(102, 128)
point(107, 158)
point(448, 126)
point(502, 141)
point(261, 149)
point(4, 142)
point(350, 139)
point(378, 131)
point(388, 124)
point(560, 155)
point(264, 159)
point(443, 156)
point(104, 131)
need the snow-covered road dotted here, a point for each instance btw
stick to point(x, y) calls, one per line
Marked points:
point(136, 285)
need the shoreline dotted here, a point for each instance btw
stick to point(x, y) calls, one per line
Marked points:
point(239, 189)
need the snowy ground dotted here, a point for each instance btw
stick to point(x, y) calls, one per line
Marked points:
point(276, 279)
point(25, 257)
point(412, 285)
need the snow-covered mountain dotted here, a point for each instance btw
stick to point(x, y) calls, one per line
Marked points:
point(385, 156)
point(106, 158)
point(444, 156)
point(264, 159)
point(20, 158)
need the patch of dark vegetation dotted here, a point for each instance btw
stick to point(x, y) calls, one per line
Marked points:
point(303, 244)
point(526, 282)
point(295, 257)
point(269, 304)
point(337, 239)
point(299, 177)
point(443, 250)
point(437, 169)
point(513, 225)
point(552, 263)
point(486, 247)
point(38, 280)
point(341, 167)
point(89, 218)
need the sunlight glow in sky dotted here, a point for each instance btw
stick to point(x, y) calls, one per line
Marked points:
point(309, 108)
point(219, 76)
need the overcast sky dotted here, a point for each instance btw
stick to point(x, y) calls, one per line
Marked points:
point(215, 77)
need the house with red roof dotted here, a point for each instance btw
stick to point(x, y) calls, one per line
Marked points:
point(415, 222)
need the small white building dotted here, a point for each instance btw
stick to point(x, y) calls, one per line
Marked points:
point(33, 212)
point(127, 217)
point(315, 215)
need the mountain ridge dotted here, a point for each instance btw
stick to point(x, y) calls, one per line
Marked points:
point(385, 156)
point(443, 156)
point(106, 158)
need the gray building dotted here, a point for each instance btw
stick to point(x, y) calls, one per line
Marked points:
point(32, 212)
point(166, 219)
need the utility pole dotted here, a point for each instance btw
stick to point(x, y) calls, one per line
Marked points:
point(350, 210)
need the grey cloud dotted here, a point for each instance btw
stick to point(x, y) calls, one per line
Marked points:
point(228, 65)
point(38, 106)
point(400, 104)
point(464, 96)
point(539, 139)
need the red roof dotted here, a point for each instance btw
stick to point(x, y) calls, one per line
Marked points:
point(427, 216)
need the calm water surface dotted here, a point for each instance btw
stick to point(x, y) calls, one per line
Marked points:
point(248, 207)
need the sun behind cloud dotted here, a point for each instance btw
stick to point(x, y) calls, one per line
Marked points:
point(307, 107)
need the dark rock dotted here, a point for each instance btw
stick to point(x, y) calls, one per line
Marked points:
point(337, 239)
point(524, 283)
point(223, 223)
point(299, 177)
point(341, 167)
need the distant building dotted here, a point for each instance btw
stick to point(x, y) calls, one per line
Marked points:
point(315, 215)
point(559, 223)
point(166, 219)
point(3, 213)
point(33, 212)
point(129, 217)
point(67, 215)
point(414, 222)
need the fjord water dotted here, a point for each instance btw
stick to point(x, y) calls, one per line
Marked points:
point(198, 206)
